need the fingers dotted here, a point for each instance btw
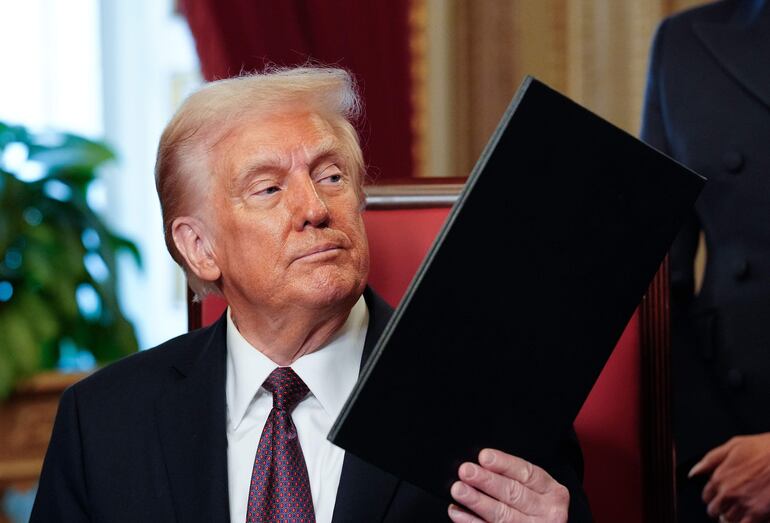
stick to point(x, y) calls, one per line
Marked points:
point(521, 470)
point(507, 489)
point(485, 507)
point(498, 498)
point(458, 515)
point(734, 513)
point(711, 460)
point(714, 508)
point(709, 492)
point(719, 493)
point(503, 489)
point(723, 500)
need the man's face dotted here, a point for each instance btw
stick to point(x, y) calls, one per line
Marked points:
point(288, 230)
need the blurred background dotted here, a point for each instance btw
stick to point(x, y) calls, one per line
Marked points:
point(88, 85)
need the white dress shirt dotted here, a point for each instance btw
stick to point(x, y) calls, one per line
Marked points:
point(330, 373)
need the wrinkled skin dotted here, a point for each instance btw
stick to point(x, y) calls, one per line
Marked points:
point(501, 488)
point(282, 232)
point(738, 490)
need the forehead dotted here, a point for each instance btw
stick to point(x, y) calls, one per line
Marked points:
point(278, 135)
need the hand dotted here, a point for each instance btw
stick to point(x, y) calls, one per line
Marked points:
point(506, 489)
point(739, 488)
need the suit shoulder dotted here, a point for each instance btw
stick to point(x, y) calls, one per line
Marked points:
point(714, 12)
point(675, 38)
point(145, 369)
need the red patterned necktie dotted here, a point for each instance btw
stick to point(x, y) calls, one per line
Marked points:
point(280, 487)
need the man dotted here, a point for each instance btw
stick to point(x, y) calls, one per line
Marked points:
point(708, 106)
point(260, 182)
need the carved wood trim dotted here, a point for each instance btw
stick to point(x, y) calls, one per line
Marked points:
point(657, 442)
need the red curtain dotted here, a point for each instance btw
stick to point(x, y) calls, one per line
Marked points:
point(370, 38)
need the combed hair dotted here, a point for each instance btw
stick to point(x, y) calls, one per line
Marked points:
point(184, 165)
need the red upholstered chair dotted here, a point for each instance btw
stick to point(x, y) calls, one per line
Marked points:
point(624, 425)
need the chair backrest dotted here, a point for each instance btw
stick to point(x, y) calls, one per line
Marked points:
point(623, 426)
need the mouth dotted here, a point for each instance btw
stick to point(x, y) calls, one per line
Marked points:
point(320, 252)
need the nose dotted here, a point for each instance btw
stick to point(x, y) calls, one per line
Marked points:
point(309, 208)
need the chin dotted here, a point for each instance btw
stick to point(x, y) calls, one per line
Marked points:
point(333, 291)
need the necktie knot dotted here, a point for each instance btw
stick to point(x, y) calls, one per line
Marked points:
point(287, 388)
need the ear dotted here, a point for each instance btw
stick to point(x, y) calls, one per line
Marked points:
point(192, 241)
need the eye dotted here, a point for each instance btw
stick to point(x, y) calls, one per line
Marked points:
point(267, 191)
point(330, 175)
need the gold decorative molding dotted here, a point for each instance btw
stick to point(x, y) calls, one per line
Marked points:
point(418, 72)
point(594, 51)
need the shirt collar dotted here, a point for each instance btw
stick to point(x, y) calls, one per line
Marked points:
point(329, 372)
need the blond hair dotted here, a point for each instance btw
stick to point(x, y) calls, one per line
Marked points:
point(183, 166)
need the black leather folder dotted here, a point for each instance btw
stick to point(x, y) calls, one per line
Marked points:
point(510, 319)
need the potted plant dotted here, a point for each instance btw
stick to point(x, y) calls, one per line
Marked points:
point(57, 257)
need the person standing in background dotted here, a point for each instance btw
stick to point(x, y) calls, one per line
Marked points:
point(708, 106)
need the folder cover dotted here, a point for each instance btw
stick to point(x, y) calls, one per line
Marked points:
point(507, 324)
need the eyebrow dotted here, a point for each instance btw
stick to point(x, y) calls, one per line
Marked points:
point(268, 160)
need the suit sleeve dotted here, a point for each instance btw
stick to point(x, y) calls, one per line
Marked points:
point(61, 495)
point(653, 127)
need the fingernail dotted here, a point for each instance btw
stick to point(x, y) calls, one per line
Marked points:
point(486, 457)
point(467, 470)
point(459, 489)
point(454, 511)
point(693, 470)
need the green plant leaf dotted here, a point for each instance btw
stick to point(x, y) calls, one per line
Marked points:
point(20, 342)
point(42, 236)
point(71, 152)
point(7, 375)
point(77, 176)
point(12, 133)
point(122, 342)
point(40, 268)
point(63, 299)
point(118, 243)
point(42, 321)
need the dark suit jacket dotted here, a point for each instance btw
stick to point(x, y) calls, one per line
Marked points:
point(708, 106)
point(144, 440)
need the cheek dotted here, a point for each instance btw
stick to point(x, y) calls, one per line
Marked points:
point(362, 243)
point(364, 262)
point(259, 230)
point(353, 224)
point(251, 247)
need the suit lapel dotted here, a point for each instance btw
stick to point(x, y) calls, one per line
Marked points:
point(365, 491)
point(191, 419)
point(742, 47)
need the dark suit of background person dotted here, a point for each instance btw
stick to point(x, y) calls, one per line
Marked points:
point(171, 464)
point(708, 106)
